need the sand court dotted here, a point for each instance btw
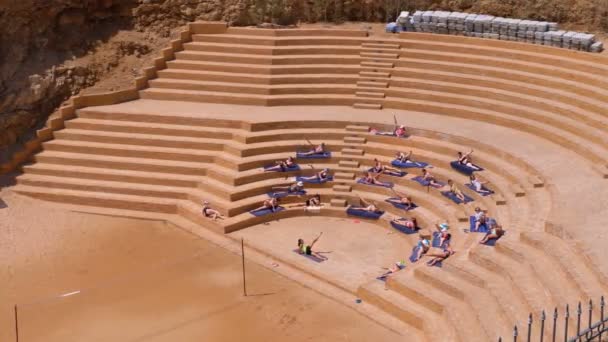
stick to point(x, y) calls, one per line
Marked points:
point(356, 250)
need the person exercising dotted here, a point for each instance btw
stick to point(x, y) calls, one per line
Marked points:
point(307, 249)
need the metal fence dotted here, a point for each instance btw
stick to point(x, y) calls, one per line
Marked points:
point(587, 330)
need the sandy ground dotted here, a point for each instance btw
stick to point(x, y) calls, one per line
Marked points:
point(348, 245)
point(148, 281)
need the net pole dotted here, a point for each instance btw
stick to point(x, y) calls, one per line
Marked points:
point(16, 324)
point(243, 262)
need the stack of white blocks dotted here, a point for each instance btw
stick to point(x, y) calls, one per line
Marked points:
point(491, 27)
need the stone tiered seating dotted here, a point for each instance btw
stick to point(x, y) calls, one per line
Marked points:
point(170, 163)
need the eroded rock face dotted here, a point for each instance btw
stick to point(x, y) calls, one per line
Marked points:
point(49, 48)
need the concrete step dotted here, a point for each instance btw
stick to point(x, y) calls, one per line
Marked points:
point(357, 128)
point(373, 64)
point(232, 57)
point(344, 175)
point(373, 84)
point(116, 187)
point(375, 74)
point(367, 106)
point(342, 188)
point(277, 41)
point(354, 140)
point(123, 163)
point(108, 174)
point(100, 199)
point(338, 202)
point(380, 46)
point(166, 129)
point(248, 78)
point(348, 163)
point(370, 95)
point(353, 151)
point(499, 199)
point(380, 55)
point(517, 190)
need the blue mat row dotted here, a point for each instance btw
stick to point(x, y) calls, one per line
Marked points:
point(362, 181)
point(397, 204)
point(301, 155)
point(488, 191)
point(314, 181)
point(407, 165)
point(263, 212)
point(456, 165)
point(455, 199)
point(423, 182)
point(364, 213)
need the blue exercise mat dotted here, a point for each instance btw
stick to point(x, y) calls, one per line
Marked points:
point(301, 155)
point(293, 168)
point(437, 239)
point(423, 182)
point(488, 192)
point(283, 194)
point(463, 168)
point(391, 173)
point(414, 253)
point(314, 181)
point(364, 213)
point(397, 163)
point(403, 228)
point(263, 212)
point(395, 202)
point(311, 257)
point(389, 184)
point(482, 228)
point(455, 199)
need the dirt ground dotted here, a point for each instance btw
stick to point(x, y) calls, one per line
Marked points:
point(148, 281)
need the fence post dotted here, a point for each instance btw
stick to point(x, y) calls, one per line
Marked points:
point(243, 260)
point(515, 333)
point(590, 314)
point(542, 325)
point(602, 304)
point(554, 324)
point(566, 317)
point(579, 312)
point(529, 327)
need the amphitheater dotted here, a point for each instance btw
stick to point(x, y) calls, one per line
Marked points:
point(223, 102)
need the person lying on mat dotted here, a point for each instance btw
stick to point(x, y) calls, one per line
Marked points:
point(399, 132)
point(320, 176)
point(455, 191)
point(423, 246)
point(307, 249)
point(465, 159)
point(479, 217)
point(405, 201)
point(427, 176)
point(411, 224)
point(270, 203)
point(396, 267)
point(404, 157)
point(211, 213)
point(381, 168)
point(440, 256)
point(478, 185)
point(369, 207)
point(372, 179)
point(495, 232)
point(282, 165)
point(291, 189)
point(444, 234)
point(314, 201)
point(316, 150)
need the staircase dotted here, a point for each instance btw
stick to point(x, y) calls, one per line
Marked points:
point(377, 60)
